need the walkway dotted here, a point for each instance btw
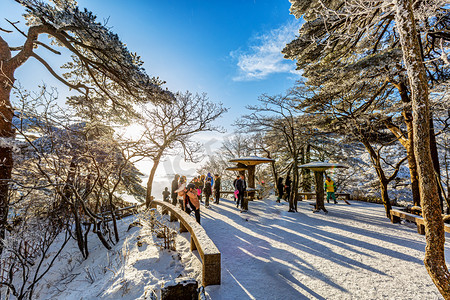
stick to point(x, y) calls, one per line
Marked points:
point(354, 252)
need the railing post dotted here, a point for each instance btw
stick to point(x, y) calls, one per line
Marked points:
point(182, 227)
point(193, 245)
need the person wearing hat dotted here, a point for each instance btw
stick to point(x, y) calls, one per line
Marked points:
point(216, 188)
point(181, 190)
point(191, 202)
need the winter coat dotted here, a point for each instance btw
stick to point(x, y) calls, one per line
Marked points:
point(217, 185)
point(241, 185)
point(210, 177)
point(234, 183)
point(174, 187)
point(166, 195)
point(207, 188)
point(288, 184)
point(280, 186)
point(193, 198)
point(180, 190)
point(329, 186)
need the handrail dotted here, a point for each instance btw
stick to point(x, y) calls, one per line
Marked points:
point(200, 241)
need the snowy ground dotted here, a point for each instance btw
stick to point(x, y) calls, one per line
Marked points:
point(354, 252)
point(128, 271)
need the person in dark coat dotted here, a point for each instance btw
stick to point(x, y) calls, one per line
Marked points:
point(234, 185)
point(216, 188)
point(174, 188)
point(241, 186)
point(166, 194)
point(287, 187)
point(207, 191)
point(280, 188)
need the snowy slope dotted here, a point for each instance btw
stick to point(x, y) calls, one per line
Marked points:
point(126, 272)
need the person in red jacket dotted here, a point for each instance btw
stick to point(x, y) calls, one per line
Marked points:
point(191, 202)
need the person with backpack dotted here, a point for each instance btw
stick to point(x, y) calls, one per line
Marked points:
point(207, 191)
point(191, 203)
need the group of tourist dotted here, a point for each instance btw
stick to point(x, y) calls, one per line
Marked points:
point(284, 190)
point(188, 196)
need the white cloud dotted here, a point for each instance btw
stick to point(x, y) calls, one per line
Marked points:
point(264, 56)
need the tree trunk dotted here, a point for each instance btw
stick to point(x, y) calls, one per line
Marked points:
point(274, 172)
point(6, 135)
point(251, 181)
point(381, 177)
point(306, 173)
point(435, 158)
point(320, 203)
point(407, 116)
point(385, 197)
point(294, 190)
point(148, 197)
point(434, 226)
point(407, 142)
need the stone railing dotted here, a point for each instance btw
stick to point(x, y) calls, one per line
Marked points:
point(200, 241)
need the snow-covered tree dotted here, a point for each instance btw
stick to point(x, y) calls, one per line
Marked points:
point(95, 50)
point(169, 128)
point(416, 34)
point(353, 48)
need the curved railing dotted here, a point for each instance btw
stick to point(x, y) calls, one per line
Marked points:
point(200, 241)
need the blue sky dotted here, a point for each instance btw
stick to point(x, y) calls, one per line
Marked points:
point(228, 49)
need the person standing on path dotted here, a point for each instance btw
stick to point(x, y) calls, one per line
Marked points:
point(199, 186)
point(235, 189)
point(211, 178)
point(174, 188)
point(241, 186)
point(191, 202)
point(330, 187)
point(287, 187)
point(280, 188)
point(207, 191)
point(181, 190)
point(216, 188)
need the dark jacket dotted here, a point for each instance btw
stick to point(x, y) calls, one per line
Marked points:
point(174, 188)
point(288, 185)
point(207, 188)
point(241, 185)
point(217, 185)
point(280, 186)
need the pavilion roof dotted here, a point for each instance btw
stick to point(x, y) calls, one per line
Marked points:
point(251, 160)
point(322, 166)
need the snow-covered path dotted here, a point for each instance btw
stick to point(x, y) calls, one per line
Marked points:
point(354, 252)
